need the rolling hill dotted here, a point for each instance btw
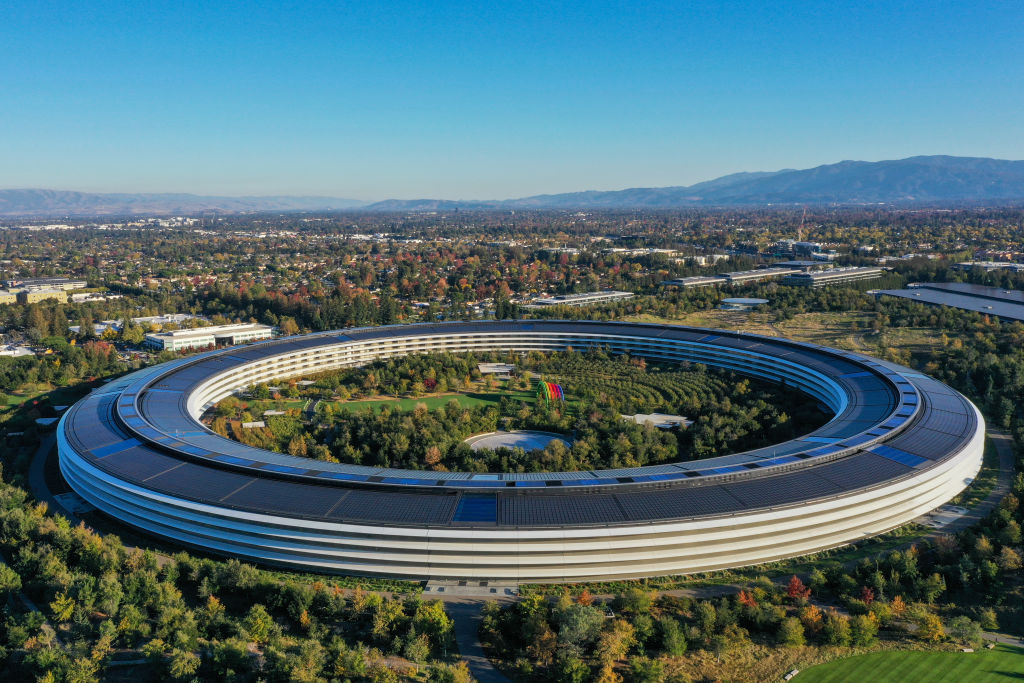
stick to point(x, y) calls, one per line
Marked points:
point(922, 180)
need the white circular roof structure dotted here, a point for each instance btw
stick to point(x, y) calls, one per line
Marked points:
point(899, 444)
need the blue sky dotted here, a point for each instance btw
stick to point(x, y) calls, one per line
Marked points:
point(492, 100)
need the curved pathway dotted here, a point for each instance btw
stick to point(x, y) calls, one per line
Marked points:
point(1003, 443)
point(37, 478)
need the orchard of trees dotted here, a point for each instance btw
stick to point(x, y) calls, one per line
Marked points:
point(728, 414)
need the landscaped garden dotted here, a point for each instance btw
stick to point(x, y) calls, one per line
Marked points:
point(417, 411)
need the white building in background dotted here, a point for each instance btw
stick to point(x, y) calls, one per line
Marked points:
point(585, 299)
point(831, 277)
point(203, 337)
point(86, 297)
point(36, 283)
point(147, 320)
point(989, 265)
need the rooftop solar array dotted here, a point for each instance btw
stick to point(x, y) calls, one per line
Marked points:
point(892, 422)
point(1005, 304)
point(997, 293)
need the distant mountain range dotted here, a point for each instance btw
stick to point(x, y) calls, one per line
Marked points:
point(918, 180)
point(55, 203)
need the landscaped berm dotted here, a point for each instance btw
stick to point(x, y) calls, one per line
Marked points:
point(1003, 664)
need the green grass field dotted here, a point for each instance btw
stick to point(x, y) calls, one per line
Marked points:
point(13, 399)
point(256, 407)
point(433, 402)
point(1004, 663)
point(45, 394)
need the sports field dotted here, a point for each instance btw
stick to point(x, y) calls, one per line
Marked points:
point(1003, 664)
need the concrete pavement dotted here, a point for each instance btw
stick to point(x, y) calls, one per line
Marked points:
point(1003, 443)
point(37, 478)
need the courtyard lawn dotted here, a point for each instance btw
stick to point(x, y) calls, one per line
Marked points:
point(466, 400)
point(13, 399)
point(45, 394)
point(1004, 663)
point(257, 406)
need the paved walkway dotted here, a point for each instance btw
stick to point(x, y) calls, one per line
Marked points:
point(1003, 443)
point(467, 615)
point(1004, 639)
point(37, 478)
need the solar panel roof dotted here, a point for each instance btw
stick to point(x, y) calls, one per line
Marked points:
point(163, 448)
point(1008, 310)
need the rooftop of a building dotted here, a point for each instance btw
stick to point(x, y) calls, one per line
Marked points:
point(997, 293)
point(990, 265)
point(695, 279)
point(584, 296)
point(1006, 309)
point(757, 272)
point(802, 264)
point(495, 368)
point(43, 280)
point(837, 272)
point(744, 301)
point(211, 331)
point(921, 423)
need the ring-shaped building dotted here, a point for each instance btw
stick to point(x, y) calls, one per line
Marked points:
point(899, 444)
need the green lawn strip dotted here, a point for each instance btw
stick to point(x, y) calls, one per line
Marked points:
point(366, 583)
point(256, 407)
point(466, 400)
point(1000, 664)
point(46, 396)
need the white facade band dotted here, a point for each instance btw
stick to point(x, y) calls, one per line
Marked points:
point(136, 451)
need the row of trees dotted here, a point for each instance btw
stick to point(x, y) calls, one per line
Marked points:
point(645, 637)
